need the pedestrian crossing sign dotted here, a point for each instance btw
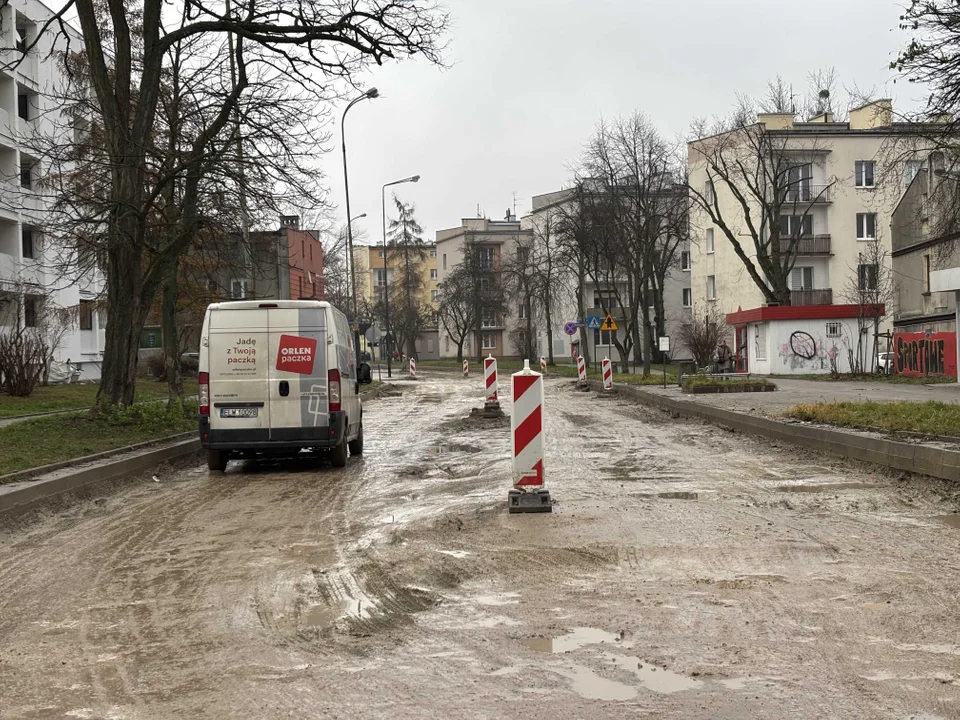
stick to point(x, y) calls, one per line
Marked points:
point(593, 322)
point(609, 323)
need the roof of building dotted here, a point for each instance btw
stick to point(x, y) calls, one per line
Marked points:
point(804, 312)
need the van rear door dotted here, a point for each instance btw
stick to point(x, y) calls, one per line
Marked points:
point(239, 373)
point(298, 374)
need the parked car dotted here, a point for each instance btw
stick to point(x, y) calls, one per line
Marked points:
point(885, 363)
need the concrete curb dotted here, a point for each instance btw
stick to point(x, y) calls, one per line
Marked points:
point(924, 459)
point(42, 489)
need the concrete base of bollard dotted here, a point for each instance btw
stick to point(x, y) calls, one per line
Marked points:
point(582, 387)
point(529, 502)
point(490, 410)
point(607, 393)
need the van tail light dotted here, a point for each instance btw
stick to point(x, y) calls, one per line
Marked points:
point(203, 394)
point(333, 384)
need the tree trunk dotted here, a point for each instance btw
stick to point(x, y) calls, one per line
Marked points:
point(645, 317)
point(549, 317)
point(125, 319)
point(171, 349)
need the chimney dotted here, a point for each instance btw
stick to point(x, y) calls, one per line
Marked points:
point(290, 221)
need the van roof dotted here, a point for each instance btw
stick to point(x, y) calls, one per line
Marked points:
point(256, 304)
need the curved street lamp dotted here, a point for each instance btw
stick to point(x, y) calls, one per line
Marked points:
point(370, 94)
point(386, 287)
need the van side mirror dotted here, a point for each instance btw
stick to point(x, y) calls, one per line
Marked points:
point(364, 376)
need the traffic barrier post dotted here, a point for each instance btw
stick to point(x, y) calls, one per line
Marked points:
point(466, 367)
point(526, 431)
point(413, 369)
point(607, 375)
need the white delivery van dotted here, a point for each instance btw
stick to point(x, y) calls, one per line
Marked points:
point(277, 377)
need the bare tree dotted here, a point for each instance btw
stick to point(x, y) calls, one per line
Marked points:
point(521, 275)
point(35, 329)
point(871, 286)
point(701, 335)
point(457, 307)
point(311, 48)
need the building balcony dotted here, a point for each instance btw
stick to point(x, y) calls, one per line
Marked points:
point(804, 193)
point(823, 296)
point(813, 245)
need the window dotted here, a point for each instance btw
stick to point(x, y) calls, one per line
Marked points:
point(833, 329)
point(86, 315)
point(864, 173)
point(760, 341)
point(21, 38)
point(212, 286)
point(522, 311)
point(444, 261)
point(685, 260)
point(604, 299)
point(603, 337)
point(866, 226)
point(798, 183)
point(311, 253)
point(488, 318)
point(433, 295)
point(926, 273)
point(30, 311)
point(910, 170)
point(26, 242)
point(446, 343)
point(433, 252)
point(23, 106)
point(382, 254)
point(708, 192)
point(238, 289)
point(687, 297)
point(26, 172)
point(710, 246)
point(867, 277)
point(801, 278)
point(380, 276)
point(488, 341)
point(300, 286)
point(711, 287)
point(485, 257)
point(433, 274)
point(523, 255)
point(796, 225)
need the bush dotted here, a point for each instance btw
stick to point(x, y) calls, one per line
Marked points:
point(157, 367)
point(189, 366)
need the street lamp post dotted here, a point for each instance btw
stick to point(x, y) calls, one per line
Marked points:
point(370, 94)
point(386, 286)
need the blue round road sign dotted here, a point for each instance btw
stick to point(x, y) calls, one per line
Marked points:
point(570, 328)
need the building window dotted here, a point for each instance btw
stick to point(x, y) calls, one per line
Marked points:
point(867, 277)
point(685, 260)
point(801, 278)
point(687, 297)
point(485, 257)
point(26, 242)
point(711, 287)
point(522, 311)
point(866, 226)
point(488, 319)
point(26, 172)
point(434, 294)
point(760, 341)
point(380, 276)
point(238, 289)
point(796, 225)
point(300, 286)
point(23, 106)
point(444, 261)
point(708, 192)
point(433, 252)
point(433, 274)
point(603, 337)
point(382, 254)
point(30, 311)
point(926, 273)
point(212, 286)
point(910, 170)
point(864, 173)
point(710, 246)
point(446, 343)
point(488, 341)
point(833, 329)
point(86, 315)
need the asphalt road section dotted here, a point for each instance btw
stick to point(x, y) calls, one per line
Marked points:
point(686, 572)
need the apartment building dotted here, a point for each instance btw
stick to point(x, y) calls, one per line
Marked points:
point(495, 242)
point(376, 268)
point(35, 272)
point(846, 188)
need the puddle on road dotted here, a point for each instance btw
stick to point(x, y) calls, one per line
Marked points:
point(951, 520)
point(508, 598)
point(321, 616)
point(827, 487)
point(576, 638)
point(445, 448)
point(587, 684)
point(678, 495)
point(655, 679)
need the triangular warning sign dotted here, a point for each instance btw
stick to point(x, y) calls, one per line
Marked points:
point(609, 323)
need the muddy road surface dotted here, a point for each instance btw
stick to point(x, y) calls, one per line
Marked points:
point(686, 572)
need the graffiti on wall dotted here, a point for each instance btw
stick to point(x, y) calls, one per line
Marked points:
point(803, 351)
point(921, 354)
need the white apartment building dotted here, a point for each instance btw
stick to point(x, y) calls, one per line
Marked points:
point(31, 267)
point(846, 172)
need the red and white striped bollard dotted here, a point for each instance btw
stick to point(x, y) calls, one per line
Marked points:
point(526, 431)
point(543, 364)
point(466, 368)
point(607, 371)
point(490, 378)
point(413, 369)
point(581, 370)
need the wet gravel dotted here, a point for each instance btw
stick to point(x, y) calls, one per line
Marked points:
point(686, 571)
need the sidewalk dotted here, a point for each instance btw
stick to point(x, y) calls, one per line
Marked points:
point(796, 392)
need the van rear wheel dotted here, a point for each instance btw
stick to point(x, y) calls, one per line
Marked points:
point(356, 445)
point(338, 455)
point(217, 460)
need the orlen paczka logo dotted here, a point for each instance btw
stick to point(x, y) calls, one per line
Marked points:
point(296, 354)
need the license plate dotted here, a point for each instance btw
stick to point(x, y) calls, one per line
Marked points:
point(238, 412)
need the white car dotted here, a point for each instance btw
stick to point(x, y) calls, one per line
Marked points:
point(277, 377)
point(885, 362)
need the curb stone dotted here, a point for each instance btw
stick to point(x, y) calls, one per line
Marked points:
point(922, 459)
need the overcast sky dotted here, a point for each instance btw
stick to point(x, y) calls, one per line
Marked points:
point(528, 80)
